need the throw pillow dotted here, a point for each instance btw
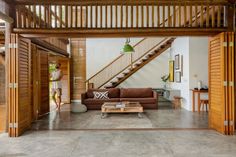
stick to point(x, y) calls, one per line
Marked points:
point(101, 95)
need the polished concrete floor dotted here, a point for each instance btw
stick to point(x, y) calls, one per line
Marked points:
point(164, 117)
point(197, 143)
point(163, 141)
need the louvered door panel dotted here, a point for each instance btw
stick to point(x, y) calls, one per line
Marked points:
point(216, 88)
point(23, 78)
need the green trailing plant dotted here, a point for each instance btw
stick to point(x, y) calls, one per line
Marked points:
point(165, 78)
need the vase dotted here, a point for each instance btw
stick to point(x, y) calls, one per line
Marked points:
point(165, 86)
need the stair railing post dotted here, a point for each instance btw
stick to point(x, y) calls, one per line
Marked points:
point(131, 60)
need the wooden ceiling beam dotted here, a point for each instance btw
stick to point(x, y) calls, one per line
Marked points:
point(118, 2)
point(49, 47)
point(80, 33)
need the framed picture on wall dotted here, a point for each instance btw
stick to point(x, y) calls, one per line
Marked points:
point(171, 71)
point(177, 66)
point(178, 76)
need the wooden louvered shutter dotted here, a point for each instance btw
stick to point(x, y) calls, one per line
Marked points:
point(221, 83)
point(19, 85)
point(217, 90)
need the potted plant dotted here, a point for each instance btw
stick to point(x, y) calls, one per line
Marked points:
point(165, 78)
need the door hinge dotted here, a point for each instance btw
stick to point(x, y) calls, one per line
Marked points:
point(225, 44)
point(10, 85)
point(13, 85)
point(228, 123)
point(231, 84)
point(231, 44)
point(13, 125)
point(13, 45)
point(225, 83)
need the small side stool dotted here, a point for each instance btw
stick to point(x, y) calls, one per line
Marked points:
point(203, 103)
point(177, 102)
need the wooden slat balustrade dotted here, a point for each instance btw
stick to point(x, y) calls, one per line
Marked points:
point(123, 15)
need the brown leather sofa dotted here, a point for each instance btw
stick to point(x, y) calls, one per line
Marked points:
point(145, 96)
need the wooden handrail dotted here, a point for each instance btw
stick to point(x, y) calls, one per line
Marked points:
point(113, 61)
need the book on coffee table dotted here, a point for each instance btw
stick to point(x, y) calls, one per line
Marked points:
point(120, 105)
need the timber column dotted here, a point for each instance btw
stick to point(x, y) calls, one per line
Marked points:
point(78, 68)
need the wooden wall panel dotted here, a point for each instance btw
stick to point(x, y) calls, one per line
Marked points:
point(78, 67)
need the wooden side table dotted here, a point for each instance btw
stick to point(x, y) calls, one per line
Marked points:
point(198, 92)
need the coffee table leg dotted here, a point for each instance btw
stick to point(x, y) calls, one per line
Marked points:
point(103, 115)
point(140, 115)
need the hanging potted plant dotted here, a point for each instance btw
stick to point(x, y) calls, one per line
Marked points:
point(165, 78)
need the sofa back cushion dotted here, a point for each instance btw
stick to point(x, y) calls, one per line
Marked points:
point(136, 92)
point(112, 92)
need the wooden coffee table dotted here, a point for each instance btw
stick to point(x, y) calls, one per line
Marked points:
point(130, 107)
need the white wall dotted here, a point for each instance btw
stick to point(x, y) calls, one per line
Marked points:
point(101, 51)
point(181, 46)
point(195, 65)
point(150, 75)
point(198, 65)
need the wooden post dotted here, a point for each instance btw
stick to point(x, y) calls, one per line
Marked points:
point(230, 14)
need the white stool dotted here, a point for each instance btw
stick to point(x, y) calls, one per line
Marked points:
point(78, 108)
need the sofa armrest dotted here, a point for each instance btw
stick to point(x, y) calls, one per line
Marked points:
point(83, 97)
point(155, 95)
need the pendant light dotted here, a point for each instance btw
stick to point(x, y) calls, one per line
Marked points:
point(127, 49)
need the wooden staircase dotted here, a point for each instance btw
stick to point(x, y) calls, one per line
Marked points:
point(141, 63)
point(127, 64)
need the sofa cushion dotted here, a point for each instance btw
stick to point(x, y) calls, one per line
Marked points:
point(136, 92)
point(112, 92)
point(140, 100)
point(101, 95)
point(92, 101)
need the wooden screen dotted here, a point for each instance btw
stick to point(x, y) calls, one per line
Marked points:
point(19, 80)
point(221, 89)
